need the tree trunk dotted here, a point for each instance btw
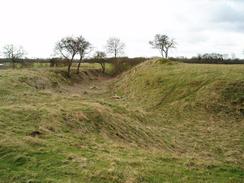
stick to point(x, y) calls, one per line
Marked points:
point(166, 52)
point(78, 67)
point(162, 53)
point(69, 66)
point(69, 69)
point(103, 67)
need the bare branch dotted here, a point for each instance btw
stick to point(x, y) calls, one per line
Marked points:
point(13, 53)
point(163, 44)
point(115, 46)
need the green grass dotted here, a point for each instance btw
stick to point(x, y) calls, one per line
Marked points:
point(172, 123)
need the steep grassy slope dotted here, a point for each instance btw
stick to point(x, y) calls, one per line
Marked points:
point(199, 107)
point(215, 88)
point(161, 129)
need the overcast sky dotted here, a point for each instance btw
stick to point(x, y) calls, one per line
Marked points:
point(198, 26)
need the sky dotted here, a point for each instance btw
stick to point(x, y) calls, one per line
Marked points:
point(198, 26)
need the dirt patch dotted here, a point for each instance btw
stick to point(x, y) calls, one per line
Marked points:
point(36, 82)
point(35, 133)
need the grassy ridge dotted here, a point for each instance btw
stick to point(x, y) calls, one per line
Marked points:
point(161, 129)
point(216, 88)
point(199, 107)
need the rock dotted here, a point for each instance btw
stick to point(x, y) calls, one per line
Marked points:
point(93, 88)
point(116, 97)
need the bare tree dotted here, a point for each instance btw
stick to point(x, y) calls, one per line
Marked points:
point(67, 48)
point(163, 43)
point(100, 56)
point(115, 46)
point(84, 47)
point(13, 53)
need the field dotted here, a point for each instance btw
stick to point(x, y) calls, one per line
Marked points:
point(159, 122)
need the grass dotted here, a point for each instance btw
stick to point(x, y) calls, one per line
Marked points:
point(169, 122)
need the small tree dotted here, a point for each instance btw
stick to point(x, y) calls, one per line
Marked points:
point(115, 46)
point(67, 48)
point(84, 47)
point(163, 43)
point(100, 56)
point(13, 53)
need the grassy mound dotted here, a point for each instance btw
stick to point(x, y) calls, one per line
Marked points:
point(158, 85)
point(199, 108)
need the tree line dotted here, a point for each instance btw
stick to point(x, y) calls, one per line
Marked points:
point(70, 48)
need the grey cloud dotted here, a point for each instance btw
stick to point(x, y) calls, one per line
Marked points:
point(229, 16)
